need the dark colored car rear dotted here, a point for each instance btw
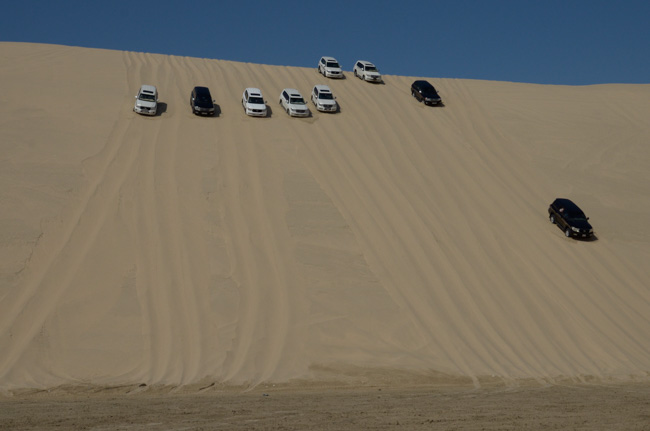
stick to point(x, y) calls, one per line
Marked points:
point(570, 218)
point(201, 101)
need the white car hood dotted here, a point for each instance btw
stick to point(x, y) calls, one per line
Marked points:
point(325, 102)
point(255, 106)
point(145, 104)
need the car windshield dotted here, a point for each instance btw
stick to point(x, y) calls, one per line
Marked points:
point(256, 99)
point(147, 97)
point(370, 69)
point(296, 101)
point(203, 98)
point(326, 96)
point(333, 64)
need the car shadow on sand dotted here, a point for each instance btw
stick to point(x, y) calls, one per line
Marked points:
point(592, 238)
point(162, 108)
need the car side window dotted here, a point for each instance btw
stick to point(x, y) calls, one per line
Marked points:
point(322, 61)
point(285, 95)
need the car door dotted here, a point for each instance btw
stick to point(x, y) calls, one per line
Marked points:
point(562, 218)
point(418, 93)
point(192, 98)
point(285, 100)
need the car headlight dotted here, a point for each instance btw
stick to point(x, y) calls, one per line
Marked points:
point(575, 229)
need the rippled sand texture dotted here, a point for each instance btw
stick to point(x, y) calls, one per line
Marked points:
point(176, 249)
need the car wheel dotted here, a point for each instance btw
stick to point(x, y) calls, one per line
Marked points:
point(552, 218)
point(567, 232)
point(355, 73)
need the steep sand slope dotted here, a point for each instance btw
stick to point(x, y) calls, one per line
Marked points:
point(391, 235)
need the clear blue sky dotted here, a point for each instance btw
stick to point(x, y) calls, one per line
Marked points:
point(550, 42)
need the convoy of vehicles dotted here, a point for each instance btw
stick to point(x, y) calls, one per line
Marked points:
point(562, 212)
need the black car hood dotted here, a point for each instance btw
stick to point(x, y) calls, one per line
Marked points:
point(430, 95)
point(203, 103)
point(581, 224)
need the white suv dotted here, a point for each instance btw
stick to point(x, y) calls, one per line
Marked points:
point(146, 101)
point(253, 102)
point(323, 98)
point(366, 71)
point(292, 102)
point(329, 67)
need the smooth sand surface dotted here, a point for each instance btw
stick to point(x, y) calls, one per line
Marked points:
point(387, 241)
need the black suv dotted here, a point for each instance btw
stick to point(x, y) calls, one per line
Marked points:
point(201, 101)
point(425, 92)
point(570, 218)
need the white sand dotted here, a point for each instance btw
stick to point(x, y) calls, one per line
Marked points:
point(392, 236)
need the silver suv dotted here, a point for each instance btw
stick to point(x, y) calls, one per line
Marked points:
point(253, 102)
point(292, 102)
point(323, 98)
point(330, 68)
point(367, 71)
point(146, 101)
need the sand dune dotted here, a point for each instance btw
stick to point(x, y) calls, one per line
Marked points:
point(391, 236)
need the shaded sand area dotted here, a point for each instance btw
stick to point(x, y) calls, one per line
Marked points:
point(439, 407)
point(178, 251)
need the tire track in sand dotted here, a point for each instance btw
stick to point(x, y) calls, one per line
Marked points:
point(168, 282)
point(258, 247)
point(65, 243)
